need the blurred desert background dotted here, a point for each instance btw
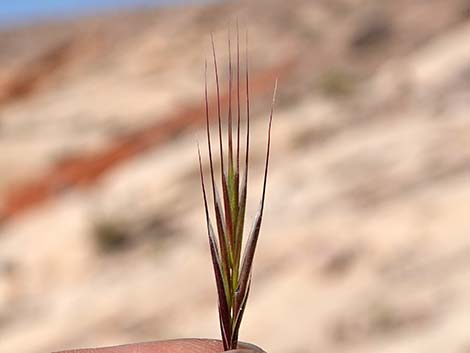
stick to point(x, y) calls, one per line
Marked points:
point(365, 245)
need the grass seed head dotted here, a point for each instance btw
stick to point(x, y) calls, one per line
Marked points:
point(232, 270)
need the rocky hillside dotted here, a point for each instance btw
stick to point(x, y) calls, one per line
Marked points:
point(365, 245)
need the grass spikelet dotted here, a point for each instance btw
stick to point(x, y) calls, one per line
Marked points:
point(232, 270)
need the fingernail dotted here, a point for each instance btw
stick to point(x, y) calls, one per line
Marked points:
point(246, 348)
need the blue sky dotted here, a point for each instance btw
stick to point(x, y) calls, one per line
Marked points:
point(14, 11)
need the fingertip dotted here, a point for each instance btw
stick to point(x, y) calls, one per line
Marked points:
point(172, 346)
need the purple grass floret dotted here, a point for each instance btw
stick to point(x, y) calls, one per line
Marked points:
point(232, 271)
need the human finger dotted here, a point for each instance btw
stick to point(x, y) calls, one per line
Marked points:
point(171, 346)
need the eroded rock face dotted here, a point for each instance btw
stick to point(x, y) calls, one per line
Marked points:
point(365, 243)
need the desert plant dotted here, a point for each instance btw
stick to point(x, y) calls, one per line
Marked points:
point(111, 235)
point(337, 83)
point(232, 272)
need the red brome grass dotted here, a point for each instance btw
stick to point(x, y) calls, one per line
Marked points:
point(232, 270)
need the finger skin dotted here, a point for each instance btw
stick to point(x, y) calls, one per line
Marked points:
point(173, 346)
